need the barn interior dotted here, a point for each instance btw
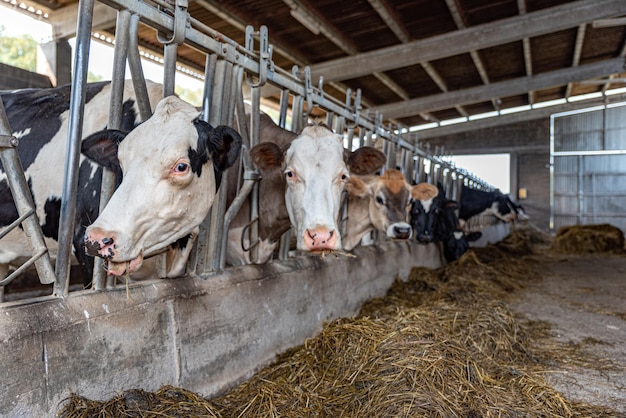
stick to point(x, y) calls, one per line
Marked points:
point(541, 81)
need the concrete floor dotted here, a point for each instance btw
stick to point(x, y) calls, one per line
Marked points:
point(584, 298)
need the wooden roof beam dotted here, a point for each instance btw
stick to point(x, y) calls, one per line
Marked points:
point(475, 38)
point(459, 20)
point(578, 48)
point(500, 89)
point(341, 41)
point(539, 113)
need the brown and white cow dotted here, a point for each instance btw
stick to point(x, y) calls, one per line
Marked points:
point(302, 179)
point(378, 203)
point(171, 167)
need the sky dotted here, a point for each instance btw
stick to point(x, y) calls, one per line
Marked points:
point(494, 169)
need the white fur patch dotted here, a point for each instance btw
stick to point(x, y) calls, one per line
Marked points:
point(427, 204)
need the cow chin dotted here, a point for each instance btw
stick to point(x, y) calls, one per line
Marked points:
point(118, 268)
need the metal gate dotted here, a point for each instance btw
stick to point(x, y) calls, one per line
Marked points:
point(588, 167)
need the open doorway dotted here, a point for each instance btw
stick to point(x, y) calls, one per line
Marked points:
point(495, 169)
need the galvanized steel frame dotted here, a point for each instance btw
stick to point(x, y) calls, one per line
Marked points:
point(226, 63)
point(580, 154)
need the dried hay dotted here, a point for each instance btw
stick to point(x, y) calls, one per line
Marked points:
point(584, 239)
point(441, 344)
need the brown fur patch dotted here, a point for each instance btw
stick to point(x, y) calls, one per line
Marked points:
point(424, 191)
point(394, 181)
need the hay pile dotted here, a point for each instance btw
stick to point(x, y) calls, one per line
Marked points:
point(441, 344)
point(584, 239)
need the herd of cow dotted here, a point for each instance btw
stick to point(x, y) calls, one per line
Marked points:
point(169, 169)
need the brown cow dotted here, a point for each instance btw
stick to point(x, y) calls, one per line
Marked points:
point(378, 203)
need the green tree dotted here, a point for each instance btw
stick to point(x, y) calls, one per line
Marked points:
point(18, 51)
point(192, 96)
point(92, 78)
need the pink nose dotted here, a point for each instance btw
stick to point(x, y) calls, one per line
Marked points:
point(99, 243)
point(320, 239)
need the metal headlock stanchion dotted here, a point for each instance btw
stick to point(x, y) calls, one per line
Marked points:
point(226, 62)
point(25, 208)
point(77, 103)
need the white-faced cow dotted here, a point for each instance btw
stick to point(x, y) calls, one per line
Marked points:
point(171, 166)
point(302, 179)
point(378, 203)
point(39, 119)
point(433, 219)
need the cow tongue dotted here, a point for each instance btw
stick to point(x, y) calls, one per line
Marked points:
point(118, 268)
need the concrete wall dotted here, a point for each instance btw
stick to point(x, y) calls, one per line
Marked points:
point(201, 334)
point(529, 146)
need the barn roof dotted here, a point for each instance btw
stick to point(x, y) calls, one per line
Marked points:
point(420, 62)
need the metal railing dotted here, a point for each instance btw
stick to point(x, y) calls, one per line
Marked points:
point(228, 66)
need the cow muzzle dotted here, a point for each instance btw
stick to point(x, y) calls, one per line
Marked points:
point(101, 244)
point(425, 238)
point(320, 239)
point(400, 230)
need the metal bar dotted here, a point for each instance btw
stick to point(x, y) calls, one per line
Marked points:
point(222, 84)
point(255, 121)
point(77, 103)
point(136, 70)
point(21, 269)
point(122, 33)
point(24, 201)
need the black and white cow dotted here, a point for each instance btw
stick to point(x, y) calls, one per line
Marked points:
point(475, 202)
point(434, 220)
point(448, 229)
point(172, 165)
point(39, 119)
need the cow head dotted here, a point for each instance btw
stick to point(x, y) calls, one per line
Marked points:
point(378, 202)
point(171, 167)
point(424, 211)
point(448, 230)
point(315, 167)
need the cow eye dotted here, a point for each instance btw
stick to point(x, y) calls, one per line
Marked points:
point(379, 200)
point(181, 168)
point(291, 174)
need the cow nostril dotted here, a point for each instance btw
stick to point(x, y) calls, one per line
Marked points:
point(107, 240)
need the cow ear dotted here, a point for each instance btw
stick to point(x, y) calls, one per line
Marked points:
point(357, 187)
point(424, 191)
point(267, 156)
point(224, 146)
point(101, 147)
point(365, 160)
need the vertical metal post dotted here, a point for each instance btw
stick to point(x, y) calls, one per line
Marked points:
point(114, 122)
point(136, 70)
point(23, 201)
point(284, 106)
point(77, 102)
point(255, 121)
point(223, 80)
point(580, 191)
